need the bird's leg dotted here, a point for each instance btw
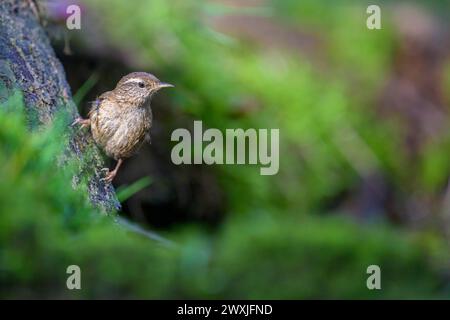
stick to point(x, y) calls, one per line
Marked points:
point(84, 122)
point(110, 175)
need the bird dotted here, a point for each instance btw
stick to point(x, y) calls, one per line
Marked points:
point(120, 120)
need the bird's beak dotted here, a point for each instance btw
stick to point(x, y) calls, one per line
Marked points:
point(165, 85)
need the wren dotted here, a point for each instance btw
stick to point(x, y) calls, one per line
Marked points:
point(120, 120)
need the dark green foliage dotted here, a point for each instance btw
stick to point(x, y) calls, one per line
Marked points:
point(278, 240)
point(46, 225)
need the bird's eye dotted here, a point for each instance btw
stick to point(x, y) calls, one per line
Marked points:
point(141, 85)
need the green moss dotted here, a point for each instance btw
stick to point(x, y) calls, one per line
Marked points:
point(274, 243)
point(46, 225)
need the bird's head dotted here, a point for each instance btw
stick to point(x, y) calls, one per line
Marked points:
point(137, 88)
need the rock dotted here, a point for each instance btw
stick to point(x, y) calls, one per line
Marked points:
point(28, 63)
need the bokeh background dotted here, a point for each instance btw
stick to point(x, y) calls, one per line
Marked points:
point(364, 155)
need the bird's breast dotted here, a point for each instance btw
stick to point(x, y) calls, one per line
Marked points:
point(119, 131)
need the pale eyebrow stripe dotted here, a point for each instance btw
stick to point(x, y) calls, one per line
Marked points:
point(133, 80)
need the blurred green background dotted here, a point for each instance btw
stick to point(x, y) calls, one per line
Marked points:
point(364, 156)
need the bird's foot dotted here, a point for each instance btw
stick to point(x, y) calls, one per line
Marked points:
point(84, 123)
point(109, 176)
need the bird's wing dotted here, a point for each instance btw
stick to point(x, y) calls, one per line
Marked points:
point(95, 105)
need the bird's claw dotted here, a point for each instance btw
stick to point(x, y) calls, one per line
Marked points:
point(109, 176)
point(75, 122)
point(84, 122)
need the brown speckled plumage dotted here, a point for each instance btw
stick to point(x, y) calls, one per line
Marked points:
point(121, 119)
